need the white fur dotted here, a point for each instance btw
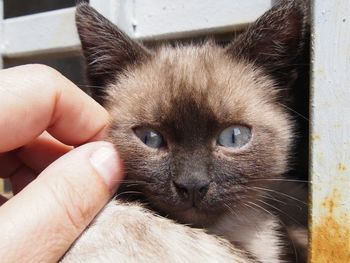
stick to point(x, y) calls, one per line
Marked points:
point(130, 233)
point(260, 236)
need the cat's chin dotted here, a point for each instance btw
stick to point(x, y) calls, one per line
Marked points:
point(193, 216)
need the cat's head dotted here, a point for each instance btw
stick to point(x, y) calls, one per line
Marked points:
point(201, 128)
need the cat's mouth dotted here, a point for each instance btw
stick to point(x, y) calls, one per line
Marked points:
point(194, 216)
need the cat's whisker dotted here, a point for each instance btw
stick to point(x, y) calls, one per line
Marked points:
point(129, 182)
point(281, 180)
point(137, 182)
point(279, 193)
point(262, 209)
point(119, 181)
point(90, 86)
point(267, 195)
point(126, 193)
point(133, 184)
point(130, 185)
point(134, 181)
point(280, 211)
point(274, 199)
point(286, 204)
point(231, 210)
point(282, 223)
point(249, 206)
point(294, 111)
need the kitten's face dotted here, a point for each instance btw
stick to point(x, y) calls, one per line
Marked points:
point(200, 128)
point(190, 95)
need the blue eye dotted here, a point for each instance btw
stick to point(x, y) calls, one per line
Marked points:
point(235, 136)
point(150, 137)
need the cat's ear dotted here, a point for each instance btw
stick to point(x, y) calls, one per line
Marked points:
point(276, 40)
point(107, 50)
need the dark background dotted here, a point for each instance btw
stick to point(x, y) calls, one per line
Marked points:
point(13, 8)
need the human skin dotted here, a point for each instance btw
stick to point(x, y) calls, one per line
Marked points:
point(61, 174)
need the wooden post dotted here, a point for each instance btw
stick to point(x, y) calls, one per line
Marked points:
point(330, 132)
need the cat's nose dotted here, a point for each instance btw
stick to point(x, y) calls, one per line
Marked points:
point(192, 190)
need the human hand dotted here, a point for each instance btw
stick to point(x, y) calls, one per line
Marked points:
point(58, 190)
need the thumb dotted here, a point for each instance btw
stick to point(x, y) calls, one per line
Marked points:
point(42, 221)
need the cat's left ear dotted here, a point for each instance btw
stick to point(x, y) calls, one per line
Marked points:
point(276, 41)
point(108, 51)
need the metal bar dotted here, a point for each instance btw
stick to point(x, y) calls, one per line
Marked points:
point(330, 132)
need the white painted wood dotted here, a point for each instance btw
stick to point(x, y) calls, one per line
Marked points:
point(330, 133)
point(119, 12)
point(106, 7)
point(159, 19)
point(55, 32)
point(52, 32)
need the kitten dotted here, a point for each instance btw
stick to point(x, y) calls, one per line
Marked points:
point(202, 131)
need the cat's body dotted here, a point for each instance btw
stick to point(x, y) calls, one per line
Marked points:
point(125, 232)
point(203, 134)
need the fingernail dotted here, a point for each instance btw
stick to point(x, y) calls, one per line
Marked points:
point(106, 162)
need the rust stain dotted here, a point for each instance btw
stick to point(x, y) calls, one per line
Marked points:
point(331, 237)
point(316, 137)
point(330, 242)
point(341, 167)
point(330, 205)
point(331, 202)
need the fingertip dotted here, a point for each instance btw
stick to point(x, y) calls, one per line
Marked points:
point(107, 163)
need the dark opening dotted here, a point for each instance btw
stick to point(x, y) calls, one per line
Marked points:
point(14, 8)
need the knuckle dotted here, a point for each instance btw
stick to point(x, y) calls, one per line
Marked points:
point(49, 77)
point(73, 204)
point(41, 68)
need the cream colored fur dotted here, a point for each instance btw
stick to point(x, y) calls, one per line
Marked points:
point(128, 233)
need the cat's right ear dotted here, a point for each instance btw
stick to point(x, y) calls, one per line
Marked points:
point(107, 50)
point(277, 41)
